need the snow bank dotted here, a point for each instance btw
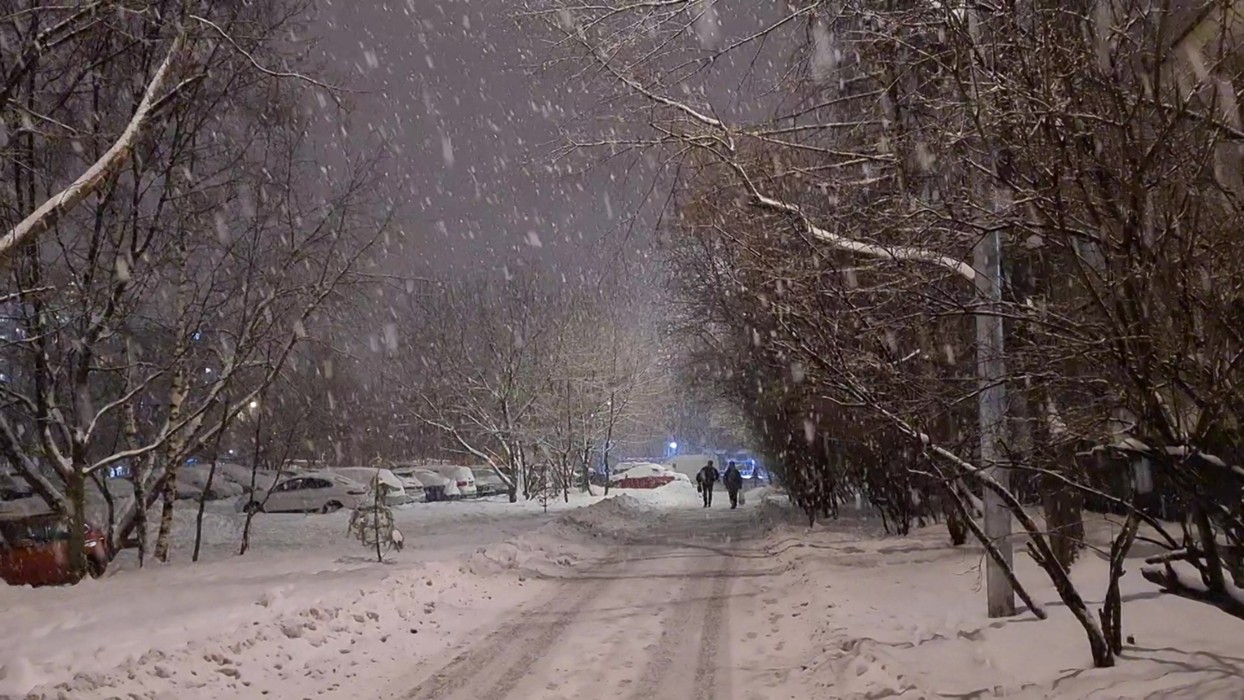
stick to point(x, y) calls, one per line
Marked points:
point(192, 481)
point(857, 615)
point(676, 494)
point(285, 644)
point(567, 540)
point(575, 536)
point(301, 605)
point(614, 516)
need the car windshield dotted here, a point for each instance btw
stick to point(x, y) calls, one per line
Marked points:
point(34, 531)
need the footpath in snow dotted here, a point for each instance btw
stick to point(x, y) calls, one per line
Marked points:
point(643, 595)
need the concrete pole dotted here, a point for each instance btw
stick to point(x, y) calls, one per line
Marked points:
point(991, 374)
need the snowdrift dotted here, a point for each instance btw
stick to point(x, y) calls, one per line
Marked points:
point(862, 615)
point(282, 645)
point(575, 536)
point(563, 542)
point(307, 609)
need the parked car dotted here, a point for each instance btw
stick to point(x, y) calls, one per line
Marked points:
point(395, 490)
point(487, 483)
point(643, 475)
point(34, 550)
point(311, 492)
point(437, 486)
point(414, 489)
point(463, 478)
point(14, 487)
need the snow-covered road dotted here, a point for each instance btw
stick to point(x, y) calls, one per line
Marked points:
point(642, 596)
point(649, 620)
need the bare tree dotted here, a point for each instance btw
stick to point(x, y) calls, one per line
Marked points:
point(893, 141)
point(148, 292)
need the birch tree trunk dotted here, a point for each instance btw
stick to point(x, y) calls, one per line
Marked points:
point(178, 392)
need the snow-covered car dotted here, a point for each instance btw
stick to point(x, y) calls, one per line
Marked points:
point(415, 492)
point(312, 492)
point(438, 487)
point(643, 475)
point(463, 478)
point(192, 483)
point(13, 487)
point(395, 490)
point(34, 550)
point(487, 483)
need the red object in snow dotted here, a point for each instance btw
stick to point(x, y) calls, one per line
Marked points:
point(643, 482)
point(34, 551)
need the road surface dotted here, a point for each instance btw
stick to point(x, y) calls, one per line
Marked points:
point(652, 620)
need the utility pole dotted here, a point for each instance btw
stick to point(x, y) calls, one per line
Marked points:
point(991, 374)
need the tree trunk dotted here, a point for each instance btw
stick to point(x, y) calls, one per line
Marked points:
point(613, 396)
point(109, 501)
point(168, 498)
point(198, 517)
point(178, 392)
point(954, 510)
point(1214, 578)
point(211, 476)
point(1111, 614)
point(1064, 520)
point(139, 475)
point(376, 503)
point(257, 452)
point(997, 556)
point(76, 492)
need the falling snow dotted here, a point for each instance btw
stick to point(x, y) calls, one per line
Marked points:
point(516, 253)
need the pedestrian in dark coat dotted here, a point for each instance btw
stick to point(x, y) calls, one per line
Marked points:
point(705, 479)
point(733, 481)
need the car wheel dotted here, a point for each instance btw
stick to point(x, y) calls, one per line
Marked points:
point(331, 507)
point(253, 508)
point(96, 566)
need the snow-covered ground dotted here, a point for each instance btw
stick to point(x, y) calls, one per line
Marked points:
point(168, 626)
point(644, 595)
point(858, 615)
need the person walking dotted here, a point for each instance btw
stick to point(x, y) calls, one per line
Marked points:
point(733, 481)
point(705, 479)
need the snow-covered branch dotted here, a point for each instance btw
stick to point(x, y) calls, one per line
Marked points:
point(159, 93)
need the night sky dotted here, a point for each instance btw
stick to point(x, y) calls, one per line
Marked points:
point(472, 125)
point(453, 86)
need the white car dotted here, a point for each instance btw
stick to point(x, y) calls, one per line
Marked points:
point(395, 495)
point(487, 483)
point(463, 478)
point(312, 492)
point(437, 486)
point(415, 492)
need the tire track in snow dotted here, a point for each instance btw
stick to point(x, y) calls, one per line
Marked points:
point(493, 666)
point(684, 662)
point(676, 634)
point(712, 653)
